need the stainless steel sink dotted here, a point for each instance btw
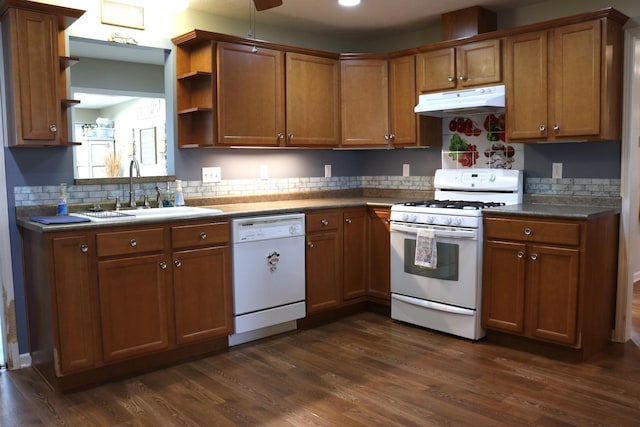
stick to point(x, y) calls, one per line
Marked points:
point(159, 213)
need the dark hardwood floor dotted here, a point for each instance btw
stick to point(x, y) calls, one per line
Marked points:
point(365, 370)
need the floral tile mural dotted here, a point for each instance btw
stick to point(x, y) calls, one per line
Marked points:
point(478, 141)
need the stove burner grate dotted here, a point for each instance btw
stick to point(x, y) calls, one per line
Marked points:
point(454, 204)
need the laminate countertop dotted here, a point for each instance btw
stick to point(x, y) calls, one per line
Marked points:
point(553, 210)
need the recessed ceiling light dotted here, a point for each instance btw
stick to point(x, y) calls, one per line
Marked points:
point(349, 2)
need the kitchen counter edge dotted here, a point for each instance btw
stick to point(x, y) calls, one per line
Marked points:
point(553, 210)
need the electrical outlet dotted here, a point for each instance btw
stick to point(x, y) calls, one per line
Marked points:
point(405, 169)
point(327, 171)
point(264, 172)
point(212, 174)
point(556, 170)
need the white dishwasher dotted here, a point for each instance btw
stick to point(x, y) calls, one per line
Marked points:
point(268, 275)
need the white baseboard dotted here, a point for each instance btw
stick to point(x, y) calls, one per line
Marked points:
point(25, 360)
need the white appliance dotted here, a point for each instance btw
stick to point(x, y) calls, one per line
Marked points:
point(268, 275)
point(489, 98)
point(446, 298)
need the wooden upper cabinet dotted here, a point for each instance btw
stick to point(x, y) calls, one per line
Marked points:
point(564, 83)
point(575, 62)
point(467, 65)
point(250, 95)
point(527, 82)
point(364, 93)
point(402, 100)
point(312, 101)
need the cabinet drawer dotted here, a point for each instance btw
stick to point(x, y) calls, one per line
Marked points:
point(209, 234)
point(323, 220)
point(564, 233)
point(130, 242)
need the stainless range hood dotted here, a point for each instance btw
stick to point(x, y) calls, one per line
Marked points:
point(470, 101)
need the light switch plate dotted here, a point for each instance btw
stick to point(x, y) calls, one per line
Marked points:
point(405, 169)
point(212, 174)
point(327, 171)
point(556, 170)
point(264, 172)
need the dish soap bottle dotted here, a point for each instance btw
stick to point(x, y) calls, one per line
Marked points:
point(179, 197)
point(167, 200)
point(62, 200)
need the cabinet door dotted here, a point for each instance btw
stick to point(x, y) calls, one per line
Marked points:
point(436, 70)
point(378, 283)
point(575, 67)
point(35, 73)
point(354, 246)
point(553, 293)
point(312, 101)
point(526, 84)
point(503, 286)
point(133, 306)
point(250, 95)
point(364, 93)
point(202, 291)
point(75, 293)
point(402, 100)
point(323, 262)
point(479, 63)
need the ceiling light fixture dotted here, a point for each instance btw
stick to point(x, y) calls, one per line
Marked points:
point(348, 3)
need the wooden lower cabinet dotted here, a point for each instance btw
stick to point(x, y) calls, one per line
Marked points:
point(354, 253)
point(109, 301)
point(378, 254)
point(551, 280)
point(133, 306)
point(323, 260)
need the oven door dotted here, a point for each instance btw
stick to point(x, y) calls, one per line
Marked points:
point(454, 281)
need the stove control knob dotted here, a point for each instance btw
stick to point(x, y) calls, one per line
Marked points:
point(448, 221)
point(413, 218)
point(492, 177)
point(458, 221)
point(405, 217)
point(431, 219)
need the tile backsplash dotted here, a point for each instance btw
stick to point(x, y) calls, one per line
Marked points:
point(46, 195)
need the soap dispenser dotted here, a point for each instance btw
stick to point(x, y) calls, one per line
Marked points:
point(168, 199)
point(179, 196)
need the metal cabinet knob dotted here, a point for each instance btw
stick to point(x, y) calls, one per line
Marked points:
point(289, 136)
point(84, 249)
point(534, 257)
point(520, 254)
point(280, 135)
point(556, 127)
point(310, 244)
point(53, 128)
point(163, 265)
point(133, 243)
point(178, 263)
point(348, 220)
point(450, 79)
point(387, 137)
point(462, 77)
point(527, 231)
point(324, 222)
point(203, 235)
point(387, 220)
point(543, 128)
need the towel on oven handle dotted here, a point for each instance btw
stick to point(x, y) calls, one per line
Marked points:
point(426, 249)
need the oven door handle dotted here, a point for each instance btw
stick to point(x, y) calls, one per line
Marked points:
point(433, 305)
point(458, 234)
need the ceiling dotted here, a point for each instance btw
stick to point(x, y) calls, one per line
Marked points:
point(370, 17)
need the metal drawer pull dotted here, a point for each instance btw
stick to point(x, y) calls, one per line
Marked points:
point(520, 254)
point(203, 235)
point(133, 243)
point(178, 263)
point(163, 265)
point(534, 256)
point(527, 231)
point(84, 249)
point(324, 222)
point(310, 244)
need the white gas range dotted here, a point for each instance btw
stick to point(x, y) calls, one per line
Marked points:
point(436, 249)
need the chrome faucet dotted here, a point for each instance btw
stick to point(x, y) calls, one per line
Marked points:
point(132, 194)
